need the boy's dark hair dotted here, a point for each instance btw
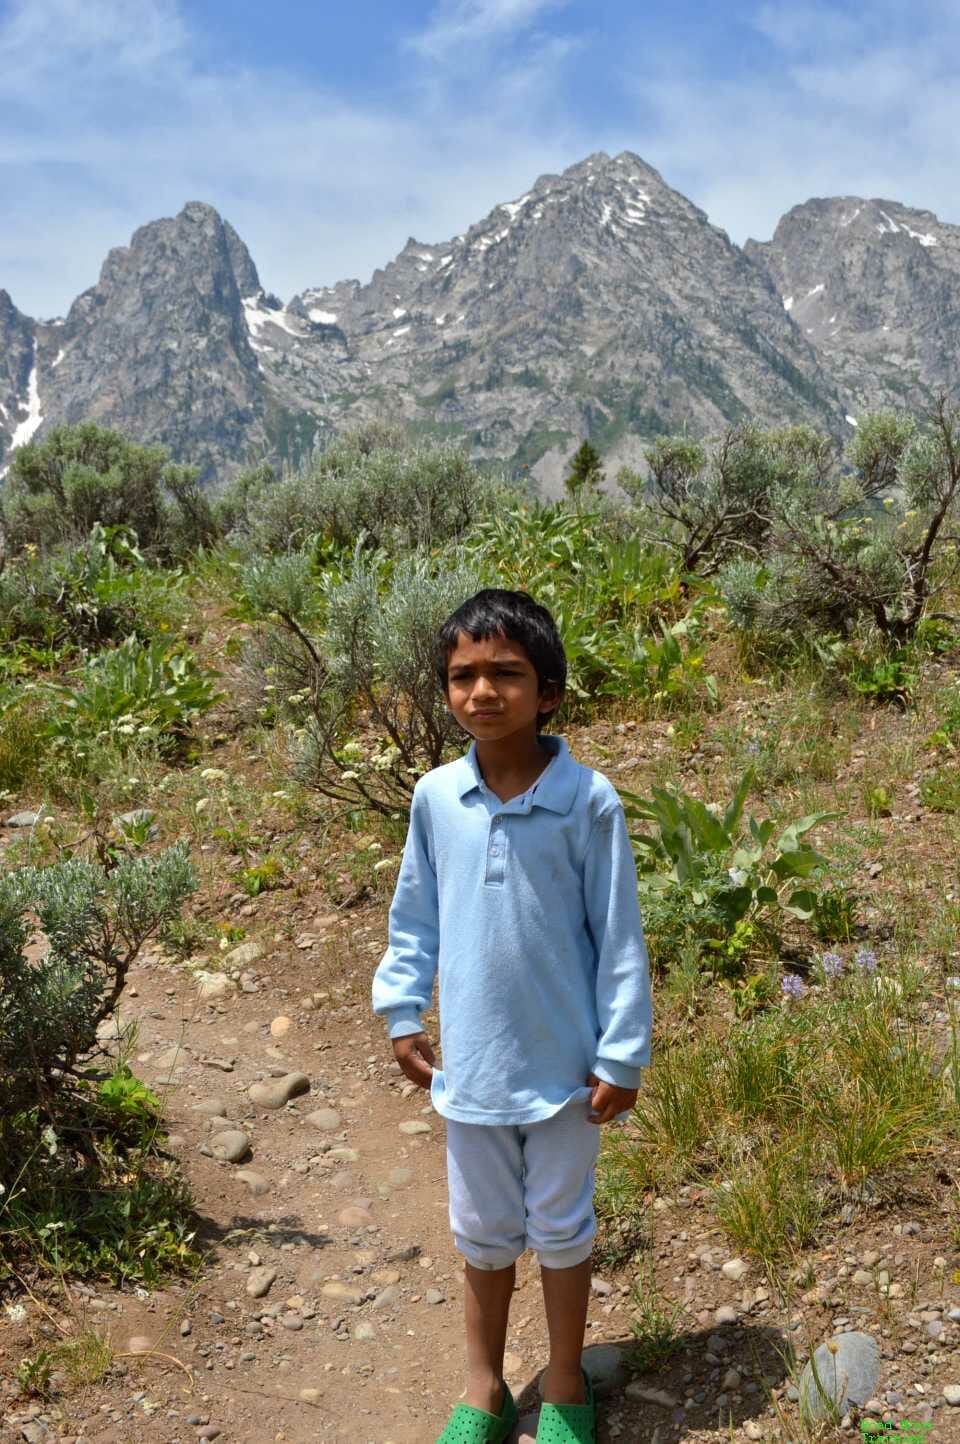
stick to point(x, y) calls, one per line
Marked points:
point(496, 612)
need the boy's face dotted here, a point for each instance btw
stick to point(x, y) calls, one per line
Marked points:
point(493, 689)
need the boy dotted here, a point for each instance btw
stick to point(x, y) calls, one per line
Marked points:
point(518, 886)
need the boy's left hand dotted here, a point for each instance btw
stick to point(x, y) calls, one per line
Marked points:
point(608, 1100)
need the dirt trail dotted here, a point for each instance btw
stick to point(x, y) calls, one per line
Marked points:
point(353, 1205)
point(356, 1208)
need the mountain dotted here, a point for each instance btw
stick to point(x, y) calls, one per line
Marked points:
point(875, 287)
point(602, 303)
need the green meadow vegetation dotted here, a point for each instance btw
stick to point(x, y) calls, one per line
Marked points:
point(763, 650)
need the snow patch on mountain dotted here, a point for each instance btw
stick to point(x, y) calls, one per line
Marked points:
point(34, 419)
point(258, 315)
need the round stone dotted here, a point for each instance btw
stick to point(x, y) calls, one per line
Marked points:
point(734, 1269)
point(847, 1371)
point(607, 1368)
point(230, 1146)
point(213, 1107)
point(243, 955)
point(414, 1126)
point(326, 1120)
point(951, 1392)
point(280, 1026)
point(23, 819)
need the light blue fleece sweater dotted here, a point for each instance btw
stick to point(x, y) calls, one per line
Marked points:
point(528, 910)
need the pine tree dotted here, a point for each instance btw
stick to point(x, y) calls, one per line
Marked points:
point(586, 472)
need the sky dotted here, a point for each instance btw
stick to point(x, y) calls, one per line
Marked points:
point(328, 133)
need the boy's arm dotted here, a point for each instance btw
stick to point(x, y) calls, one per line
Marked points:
point(403, 982)
point(623, 972)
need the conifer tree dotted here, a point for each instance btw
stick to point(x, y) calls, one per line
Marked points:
point(586, 471)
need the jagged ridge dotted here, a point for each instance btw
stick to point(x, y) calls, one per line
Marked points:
point(600, 303)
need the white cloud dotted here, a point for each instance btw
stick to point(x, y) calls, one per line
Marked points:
point(841, 105)
point(120, 115)
point(457, 24)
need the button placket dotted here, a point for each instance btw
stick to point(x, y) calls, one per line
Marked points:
point(496, 851)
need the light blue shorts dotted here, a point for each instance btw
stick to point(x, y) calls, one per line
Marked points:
point(528, 1185)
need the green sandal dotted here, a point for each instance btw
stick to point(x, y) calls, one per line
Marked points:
point(475, 1426)
point(568, 1423)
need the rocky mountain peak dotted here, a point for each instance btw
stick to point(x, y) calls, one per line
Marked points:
point(600, 303)
point(875, 286)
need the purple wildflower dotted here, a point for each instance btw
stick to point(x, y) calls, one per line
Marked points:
point(866, 960)
point(832, 964)
point(791, 986)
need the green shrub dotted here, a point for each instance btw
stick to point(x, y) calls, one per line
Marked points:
point(57, 489)
point(833, 556)
point(713, 502)
point(377, 716)
point(84, 597)
point(372, 484)
point(85, 1201)
point(134, 691)
point(707, 879)
point(891, 679)
point(94, 923)
point(940, 790)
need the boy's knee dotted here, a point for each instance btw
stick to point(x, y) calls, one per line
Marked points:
point(562, 1244)
point(488, 1257)
point(568, 1257)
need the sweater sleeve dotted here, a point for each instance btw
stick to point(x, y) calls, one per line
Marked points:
point(624, 1005)
point(403, 982)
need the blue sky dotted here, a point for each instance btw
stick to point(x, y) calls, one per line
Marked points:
point(328, 132)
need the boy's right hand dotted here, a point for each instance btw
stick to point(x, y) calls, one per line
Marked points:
point(415, 1056)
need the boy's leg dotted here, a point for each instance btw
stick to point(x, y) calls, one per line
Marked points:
point(566, 1297)
point(487, 1295)
point(560, 1157)
point(485, 1179)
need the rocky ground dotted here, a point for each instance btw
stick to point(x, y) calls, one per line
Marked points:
point(330, 1308)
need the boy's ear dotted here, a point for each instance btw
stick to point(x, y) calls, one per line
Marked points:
point(551, 698)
